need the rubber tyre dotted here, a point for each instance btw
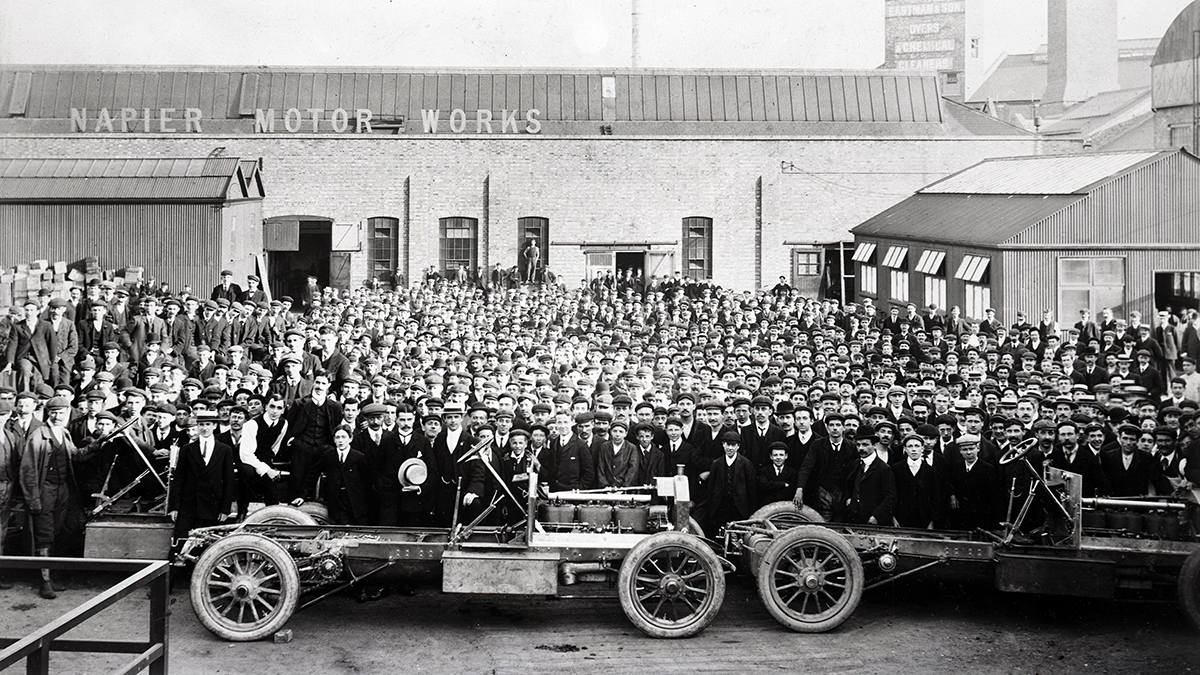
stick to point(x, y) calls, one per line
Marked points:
point(810, 553)
point(318, 511)
point(693, 527)
point(258, 570)
point(678, 569)
point(1189, 588)
point(785, 515)
point(280, 514)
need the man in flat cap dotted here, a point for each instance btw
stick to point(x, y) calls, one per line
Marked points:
point(31, 348)
point(226, 289)
point(47, 478)
point(731, 490)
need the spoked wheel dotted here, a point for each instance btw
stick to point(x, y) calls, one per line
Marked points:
point(280, 514)
point(671, 585)
point(786, 515)
point(810, 579)
point(1189, 588)
point(245, 587)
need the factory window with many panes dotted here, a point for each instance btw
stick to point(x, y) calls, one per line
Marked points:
point(459, 244)
point(697, 247)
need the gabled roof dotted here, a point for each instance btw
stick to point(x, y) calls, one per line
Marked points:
point(971, 220)
point(210, 179)
point(997, 200)
point(1040, 175)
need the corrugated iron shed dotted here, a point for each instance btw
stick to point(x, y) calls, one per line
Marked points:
point(1040, 175)
point(40, 180)
point(966, 220)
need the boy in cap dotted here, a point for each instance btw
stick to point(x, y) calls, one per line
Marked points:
point(731, 491)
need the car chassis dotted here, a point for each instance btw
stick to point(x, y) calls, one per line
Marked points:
point(251, 577)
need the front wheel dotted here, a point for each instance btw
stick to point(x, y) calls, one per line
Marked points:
point(671, 585)
point(245, 587)
point(1189, 588)
point(810, 579)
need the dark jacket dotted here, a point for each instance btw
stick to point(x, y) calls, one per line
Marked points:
point(776, 486)
point(870, 493)
point(1143, 472)
point(570, 466)
point(978, 493)
point(918, 497)
point(204, 491)
point(618, 469)
point(347, 488)
point(741, 475)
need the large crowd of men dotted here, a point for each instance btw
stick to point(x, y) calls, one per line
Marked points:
point(895, 416)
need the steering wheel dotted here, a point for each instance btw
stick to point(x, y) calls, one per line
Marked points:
point(1018, 451)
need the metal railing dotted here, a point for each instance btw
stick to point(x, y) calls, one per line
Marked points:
point(35, 648)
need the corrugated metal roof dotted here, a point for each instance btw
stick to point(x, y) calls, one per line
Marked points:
point(135, 179)
point(967, 220)
point(638, 95)
point(1045, 175)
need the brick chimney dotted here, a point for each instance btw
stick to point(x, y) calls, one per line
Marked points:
point(1082, 50)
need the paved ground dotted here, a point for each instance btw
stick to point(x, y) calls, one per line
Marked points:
point(919, 628)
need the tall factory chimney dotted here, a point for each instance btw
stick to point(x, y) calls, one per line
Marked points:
point(635, 20)
point(1082, 51)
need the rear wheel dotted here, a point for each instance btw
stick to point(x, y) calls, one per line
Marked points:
point(317, 511)
point(280, 514)
point(245, 587)
point(671, 585)
point(1189, 588)
point(786, 515)
point(810, 579)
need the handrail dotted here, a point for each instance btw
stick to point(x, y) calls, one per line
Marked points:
point(35, 648)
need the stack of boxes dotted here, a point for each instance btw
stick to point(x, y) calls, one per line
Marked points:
point(26, 280)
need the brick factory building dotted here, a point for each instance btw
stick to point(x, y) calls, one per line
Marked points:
point(736, 176)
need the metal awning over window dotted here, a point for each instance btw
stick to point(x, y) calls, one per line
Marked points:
point(931, 261)
point(864, 252)
point(973, 268)
point(895, 257)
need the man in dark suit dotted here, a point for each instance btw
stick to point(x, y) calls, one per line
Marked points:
point(382, 449)
point(918, 495)
point(1147, 375)
point(1131, 473)
point(651, 461)
point(821, 477)
point(617, 459)
point(568, 462)
point(975, 488)
point(347, 483)
point(204, 485)
point(10, 460)
point(226, 289)
point(1090, 374)
point(445, 470)
point(730, 490)
point(1069, 455)
point(31, 349)
point(870, 488)
point(758, 436)
point(311, 421)
point(678, 452)
point(776, 480)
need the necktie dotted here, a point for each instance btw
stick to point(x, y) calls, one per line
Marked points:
point(206, 452)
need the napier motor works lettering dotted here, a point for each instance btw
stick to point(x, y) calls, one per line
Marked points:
point(309, 120)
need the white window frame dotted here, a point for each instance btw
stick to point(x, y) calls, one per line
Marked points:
point(899, 285)
point(935, 291)
point(978, 298)
point(868, 279)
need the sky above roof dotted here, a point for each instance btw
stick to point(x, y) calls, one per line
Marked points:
point(498, 33)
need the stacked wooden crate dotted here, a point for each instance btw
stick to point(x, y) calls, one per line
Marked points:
point(26, 280)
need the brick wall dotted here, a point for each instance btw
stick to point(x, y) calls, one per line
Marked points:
point(592, 190)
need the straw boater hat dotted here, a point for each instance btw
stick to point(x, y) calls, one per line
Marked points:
point(412, 473)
